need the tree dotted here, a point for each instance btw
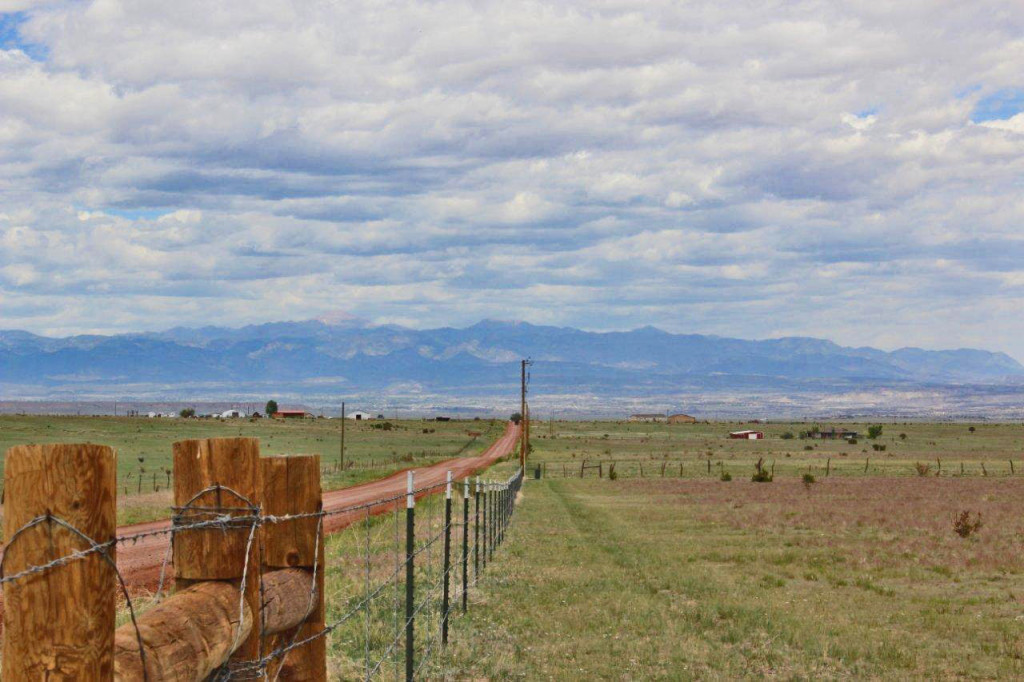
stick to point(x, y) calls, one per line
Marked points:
point(188, 412)
point(516, 418)
point(971, 429)
point(271, 408)
point(874, 431)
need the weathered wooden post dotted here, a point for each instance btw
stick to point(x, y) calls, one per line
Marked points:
point(215, 617)
point(291, 486)
point(59, 623)
point(220, 477)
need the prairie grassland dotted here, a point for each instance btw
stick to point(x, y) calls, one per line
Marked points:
point(682, 579)
point(144, 447)
point(945, 449)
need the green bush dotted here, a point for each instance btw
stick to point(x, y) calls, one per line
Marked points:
point(726, 476)
point(874, 431)
point(788, 435)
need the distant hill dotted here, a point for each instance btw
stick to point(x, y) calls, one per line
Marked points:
point(324, 358)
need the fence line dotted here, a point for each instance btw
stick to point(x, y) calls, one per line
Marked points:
point(253, 575)
point(703, 468)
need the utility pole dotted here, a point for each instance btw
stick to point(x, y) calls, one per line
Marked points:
point(524, 438)
point(341, 458)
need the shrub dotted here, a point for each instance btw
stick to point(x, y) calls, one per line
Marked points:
point(851, 441)
point(964, 525)
point(613, 475)
point(922, 469)
point(788, 435)
point(874, 431)
point(187, 412)
point(808, 480)
point(903, 436)
point(726, 476)
point(971, 429)
point(808, 447)
point(761, 475)
point(878, 447)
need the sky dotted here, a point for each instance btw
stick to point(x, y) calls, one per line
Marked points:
point(852, 171)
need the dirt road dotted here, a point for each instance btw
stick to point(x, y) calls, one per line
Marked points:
point(140, 561)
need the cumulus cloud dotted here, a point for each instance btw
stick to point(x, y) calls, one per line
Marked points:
point(848, 170)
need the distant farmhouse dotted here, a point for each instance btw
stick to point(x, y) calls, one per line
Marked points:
point(681, 419)
point(747, 435)
point(292, 414)
point(232, 414)
point(834, 434)
point(647, 418)
point(359, 416)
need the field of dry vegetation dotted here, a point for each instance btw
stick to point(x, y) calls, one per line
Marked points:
point(858, 574)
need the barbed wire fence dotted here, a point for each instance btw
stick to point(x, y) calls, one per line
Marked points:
point(260, 594)
point(702, 467)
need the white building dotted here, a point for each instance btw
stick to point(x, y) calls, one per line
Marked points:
point(359, 416)
point(232, 414)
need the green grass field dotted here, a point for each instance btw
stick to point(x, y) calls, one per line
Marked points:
point(698, 579)
point(859, 574)
point(144, 447)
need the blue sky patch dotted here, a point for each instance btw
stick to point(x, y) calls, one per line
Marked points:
point(138, 213)
point(999, 106)
point(11, 38)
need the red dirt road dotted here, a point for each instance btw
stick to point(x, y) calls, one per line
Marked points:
point(140, 562)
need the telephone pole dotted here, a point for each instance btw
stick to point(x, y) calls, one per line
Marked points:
point(524, 427)
point(341, 457)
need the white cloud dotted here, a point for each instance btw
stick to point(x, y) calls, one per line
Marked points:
point(697, 166)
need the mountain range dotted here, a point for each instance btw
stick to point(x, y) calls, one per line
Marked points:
point(347, 357)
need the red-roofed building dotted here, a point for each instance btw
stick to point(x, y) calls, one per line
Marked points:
point(292, 414)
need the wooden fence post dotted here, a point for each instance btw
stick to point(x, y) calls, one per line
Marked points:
point(291, 485)
point(59, 624)
point(228, 470)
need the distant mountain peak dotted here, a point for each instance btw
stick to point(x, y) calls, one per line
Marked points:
point(342, 318)
point(483, 357)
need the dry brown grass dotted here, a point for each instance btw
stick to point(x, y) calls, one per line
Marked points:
point(883, 521)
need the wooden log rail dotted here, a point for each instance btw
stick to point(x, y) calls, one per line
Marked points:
point(246, 589)
point(191, 633)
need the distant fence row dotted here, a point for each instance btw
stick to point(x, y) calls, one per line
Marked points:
point(675, 468)
point(260, 592)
